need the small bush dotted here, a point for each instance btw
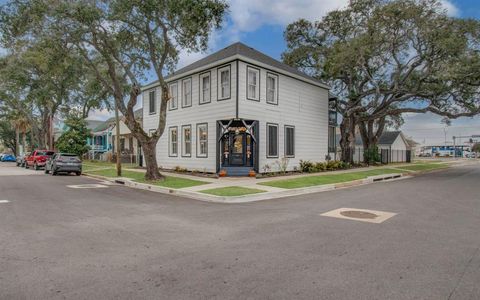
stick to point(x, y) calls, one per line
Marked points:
point(180, 169)
point(331, 165)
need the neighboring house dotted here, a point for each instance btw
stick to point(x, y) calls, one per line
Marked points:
point(393, 141)
point(239, 110)
point(102, 140)
point(129, 146)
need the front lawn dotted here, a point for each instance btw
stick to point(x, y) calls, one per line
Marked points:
point(231, 191)
point(91, 165)
point(424, 167)
point(308, 181)
point(170, 181)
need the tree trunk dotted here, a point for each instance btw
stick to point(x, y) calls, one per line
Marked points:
point(347, 139)
point(117, 141)
point(24, 141)
point(370, 132)
point(150, 155)
point(17, 141)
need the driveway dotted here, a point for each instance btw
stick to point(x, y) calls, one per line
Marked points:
point(112, 242)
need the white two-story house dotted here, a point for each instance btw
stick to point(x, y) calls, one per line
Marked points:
point(239, 110)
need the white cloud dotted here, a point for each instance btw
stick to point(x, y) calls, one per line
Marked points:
point(450, 8)
point(248, 15)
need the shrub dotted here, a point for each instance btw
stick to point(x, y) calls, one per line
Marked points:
point(180, 169)
point(283, 164)
point(306, 165)
point(371, 155)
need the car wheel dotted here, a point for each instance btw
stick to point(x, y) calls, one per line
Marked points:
point(54, 173)
point(46, 171)
point(78, 173)
point(26, 165)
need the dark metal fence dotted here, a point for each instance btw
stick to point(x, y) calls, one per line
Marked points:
point(385, 156)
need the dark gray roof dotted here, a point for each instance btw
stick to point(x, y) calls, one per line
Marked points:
point(387, 138)
point(246, 51)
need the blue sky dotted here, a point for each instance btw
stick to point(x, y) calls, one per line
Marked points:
point(260, 24)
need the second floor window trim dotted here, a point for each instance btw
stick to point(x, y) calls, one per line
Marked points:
point(224, 82)
point(173, 102)
point(152, 102)
point(253, 83)
point(187, 92)
point(272, 140)
point(272, 88)
point(205, 84)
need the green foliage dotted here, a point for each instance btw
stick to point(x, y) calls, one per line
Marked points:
point(371, 155)
point(307, 166)
point(7, 135)
point(476, 147)
point(74, 140)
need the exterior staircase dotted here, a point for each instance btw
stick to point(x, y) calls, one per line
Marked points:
point(237, 171)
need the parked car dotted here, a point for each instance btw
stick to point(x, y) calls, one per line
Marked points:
point(2, 155)
point(21, 159)
point(7, 157)
point(38, 158)
point(64, 162)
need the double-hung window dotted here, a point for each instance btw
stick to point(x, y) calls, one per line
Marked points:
point(174, 96)
point(152, 102)
point(289, 141)
point(205, 94)
point(224, 83)
point(173, 141)
point(272, 140)
point(272, 88)
point(186, 140)
point(187, 92)
point(253, 83)
point(202, 140)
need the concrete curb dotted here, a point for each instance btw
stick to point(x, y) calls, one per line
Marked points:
point(250, 198)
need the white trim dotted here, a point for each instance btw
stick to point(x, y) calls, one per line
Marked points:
point(230, 59)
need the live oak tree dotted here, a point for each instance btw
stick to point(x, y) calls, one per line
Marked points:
point(128, 39)
point(386, 58)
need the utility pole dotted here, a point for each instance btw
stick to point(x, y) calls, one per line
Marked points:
point(117, 141)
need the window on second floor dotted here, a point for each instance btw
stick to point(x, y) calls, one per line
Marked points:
point(187, 92)
point(272, 88)
point(224, 83)
point(205, 94)
point(253, 80)
point(152, 102)
point(174, 96)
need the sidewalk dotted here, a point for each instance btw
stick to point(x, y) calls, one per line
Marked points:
point(271, 192)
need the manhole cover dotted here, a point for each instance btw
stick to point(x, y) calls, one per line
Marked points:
point(358, 214)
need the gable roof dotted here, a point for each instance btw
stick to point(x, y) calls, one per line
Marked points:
point(387, 138)
point(111, 121)
point(92, 124)
point(245, 51)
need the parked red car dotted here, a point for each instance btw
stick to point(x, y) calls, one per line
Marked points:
point(38, 158)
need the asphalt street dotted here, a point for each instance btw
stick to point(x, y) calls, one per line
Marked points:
point(59, 242)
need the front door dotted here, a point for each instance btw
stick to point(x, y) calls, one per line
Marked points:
point(237, 149)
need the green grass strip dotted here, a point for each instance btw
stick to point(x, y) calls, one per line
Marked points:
point(231, 191)
point(424, 167)
point(327, 179)
point(170, 181)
